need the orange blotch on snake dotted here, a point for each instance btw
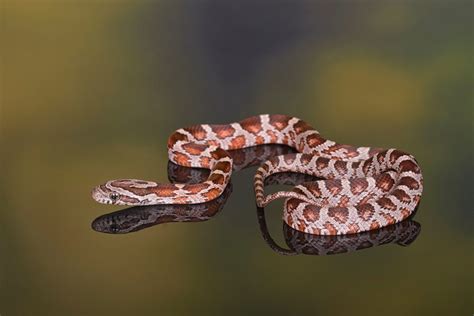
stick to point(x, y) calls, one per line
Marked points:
point(386, 203)
point(195, 188)
point(223, 131)
point(365, 211)
point(225, 166)
point(358, 185)
point(401, 196)
point(314, 140)
point(197, 131)
point(273, 136)
point(194, 149)
point(217, 178)
point(252, 125)
point(279, 121)
point(385, 182)
point(181, 159)
point(165, 190)
point(237, 142)
point(212, 193)
point(176, 137)
point(330, 228)
point(310, 213)
point(340, 214)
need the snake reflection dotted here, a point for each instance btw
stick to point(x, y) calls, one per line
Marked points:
point(140, 217)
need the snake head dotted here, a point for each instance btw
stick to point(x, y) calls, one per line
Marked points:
point(122, 192)
point(106, 194)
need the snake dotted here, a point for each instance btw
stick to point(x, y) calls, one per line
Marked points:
point(360, 188)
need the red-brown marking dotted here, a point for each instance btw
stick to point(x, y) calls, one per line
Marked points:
point(344, 201)
point(310, 213)
point(341, 166)
point(386, 203)
point(331, 229)
point(237, 142)
point(212, 193)
point(301, 127)
point(223, 131)
point(390, 219)
point(218, 154)
point(313, 188)
point(213, 143)
point(291, 204)
point(316, 231)
point(340, 214)
point(358, 185)
point(197, 131)
point(205, 162)
point(289, 159)
point(162, 190)
point(401, 196)
point(385, 182)
point(322, 163)
point(334, 186)
point(176, 137)
point(259, 140)
point(405, 212)
point(366, 166)
point(181, 159)
point(223, 165)
point(351, 151)
point(353, 228)
point(273, 136)
point(181, 199)
point(305, 159)
point(395, 155)
point(196, 188)
point(279, 121)
point(128, 199)
point(217, 178)
point(301, 225)
point(252, 125)
point(409, 165)
point(194, 149)
point(409, 182)
point(365, 211)
point(314, 140)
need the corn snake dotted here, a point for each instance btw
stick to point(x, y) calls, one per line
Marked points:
point(362, 189)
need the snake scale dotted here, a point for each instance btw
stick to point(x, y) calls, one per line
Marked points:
point(361, 188)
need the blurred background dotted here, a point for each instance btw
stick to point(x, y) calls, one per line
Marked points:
point(90, 91)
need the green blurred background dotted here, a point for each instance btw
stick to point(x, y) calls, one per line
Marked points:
point(90, 91)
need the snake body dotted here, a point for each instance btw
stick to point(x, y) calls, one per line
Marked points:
point(362, 189)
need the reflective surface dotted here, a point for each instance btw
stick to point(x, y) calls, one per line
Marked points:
point(403, 234)
point(91, 90)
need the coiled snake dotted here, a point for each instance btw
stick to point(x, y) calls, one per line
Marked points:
point(362, 189)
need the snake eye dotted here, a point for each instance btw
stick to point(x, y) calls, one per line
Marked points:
point(114, 197)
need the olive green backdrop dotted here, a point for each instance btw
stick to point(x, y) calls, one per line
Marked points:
point(90, 91)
